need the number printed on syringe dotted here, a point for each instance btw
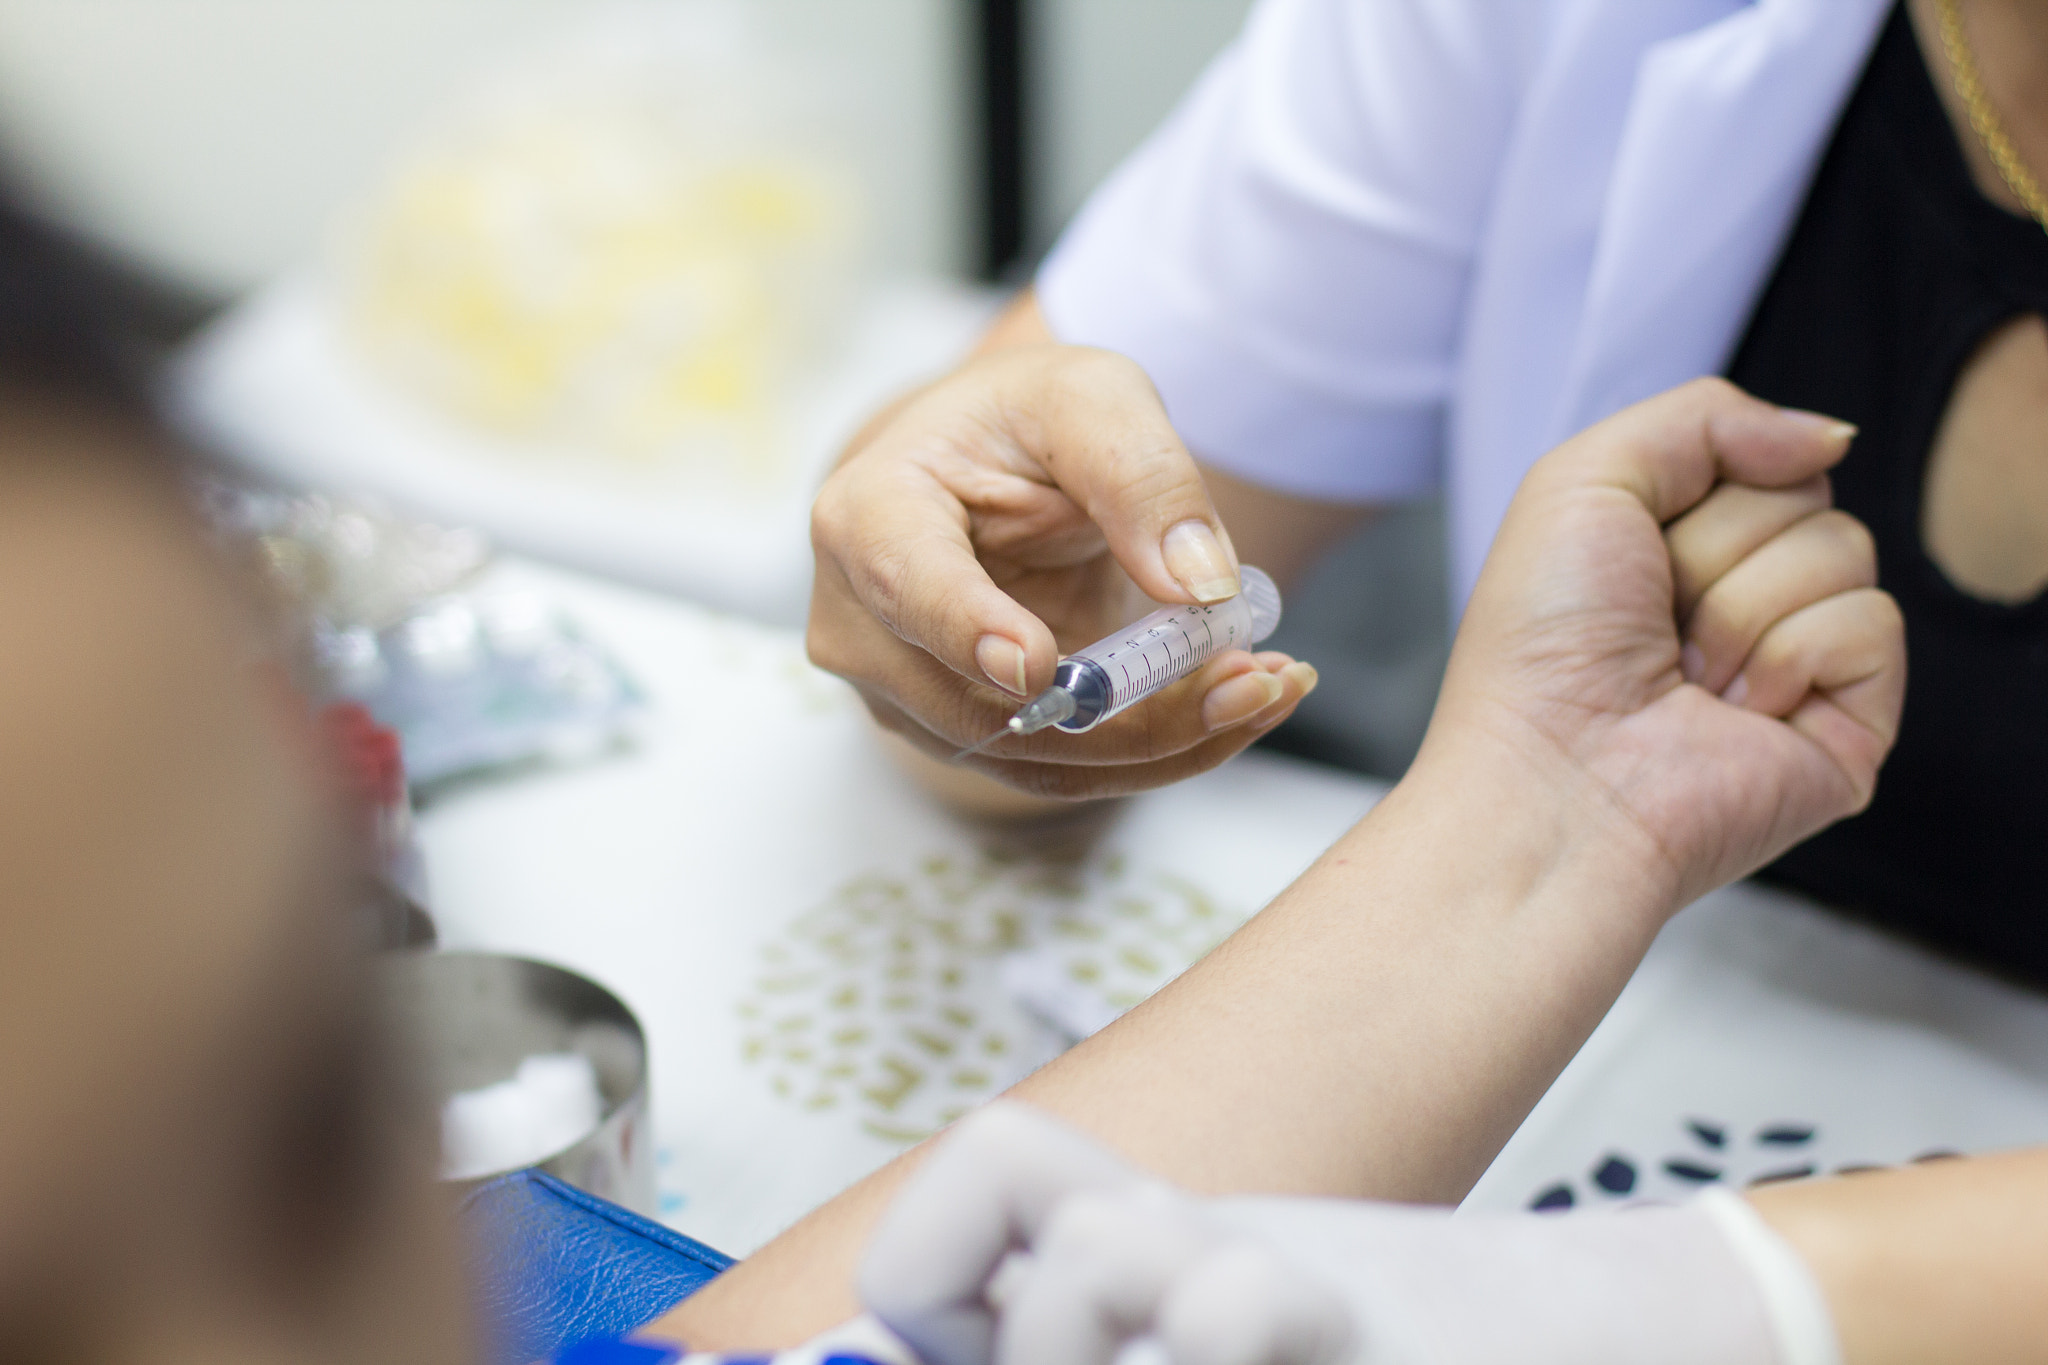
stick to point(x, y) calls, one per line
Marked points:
point(1174, 666)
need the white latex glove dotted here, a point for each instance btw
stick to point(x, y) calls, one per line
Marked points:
point(1023, 1243)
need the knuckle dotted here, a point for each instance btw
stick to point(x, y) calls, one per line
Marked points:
point(1862, 778)
point(831, 520)
point(1779, 652)
point(1716, 615)
point(1711, 389)
point(1152, 476)
point(1881, 626)
point(840, 642)
point(1697, 401)
point(885, 576)
point(1092, 367)
point(1068, 369)
point(1088, 380)
point(1850, 536)
point(822, 646)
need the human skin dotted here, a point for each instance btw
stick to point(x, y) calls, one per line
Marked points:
point(1945, 1262)
point(911, 645)
point(177, 993)
point(1933, 1263)
point(1674, 666)
point(1024, 507)
point(1893, 1251)
point(1984, 513)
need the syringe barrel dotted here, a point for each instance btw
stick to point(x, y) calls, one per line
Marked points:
point(1123, 669)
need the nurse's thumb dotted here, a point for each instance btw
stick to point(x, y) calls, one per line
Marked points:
point(1102, 434)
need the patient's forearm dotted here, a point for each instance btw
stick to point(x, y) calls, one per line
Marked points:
point(1932, 1264)
point(1379, 1030)
point(1382, 1028)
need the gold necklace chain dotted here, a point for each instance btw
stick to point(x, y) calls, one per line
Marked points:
point(1990, 131)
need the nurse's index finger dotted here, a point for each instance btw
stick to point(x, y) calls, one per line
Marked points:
point(899, 541)
point(1098, 429)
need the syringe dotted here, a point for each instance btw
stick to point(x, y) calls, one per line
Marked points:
point(1123, 669)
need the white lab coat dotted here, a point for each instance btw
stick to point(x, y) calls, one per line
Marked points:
point(1391, 246)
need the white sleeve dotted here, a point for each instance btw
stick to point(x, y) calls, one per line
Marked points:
point(1288, 256)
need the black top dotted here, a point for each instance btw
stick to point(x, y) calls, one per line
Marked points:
point(1897, 269)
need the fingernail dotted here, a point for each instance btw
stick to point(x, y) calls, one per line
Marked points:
point(1003, 662)
point(1304, 675)
point(1737, 692)
point(1692, 662)
point(1240, 698)
point(1832, 427)
point(1197, 561)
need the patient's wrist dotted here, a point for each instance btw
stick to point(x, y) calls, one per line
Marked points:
point(1529, 823)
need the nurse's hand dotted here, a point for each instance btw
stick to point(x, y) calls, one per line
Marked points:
point(1022, 1242)
point(1026, 506)
point(1674, 628)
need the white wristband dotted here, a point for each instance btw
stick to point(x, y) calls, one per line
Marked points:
point(1798, 1311)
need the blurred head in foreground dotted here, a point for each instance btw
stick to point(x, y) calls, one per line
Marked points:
point(200, 1158)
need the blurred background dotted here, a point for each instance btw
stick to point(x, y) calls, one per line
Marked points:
point(610, 281)
point(221, 140)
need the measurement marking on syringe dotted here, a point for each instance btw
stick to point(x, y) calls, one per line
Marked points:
point(1103, 679)
point(1159, 661)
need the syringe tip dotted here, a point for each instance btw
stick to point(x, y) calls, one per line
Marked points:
point(1048, 708)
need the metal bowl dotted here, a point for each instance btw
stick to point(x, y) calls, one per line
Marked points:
point(470, 1019)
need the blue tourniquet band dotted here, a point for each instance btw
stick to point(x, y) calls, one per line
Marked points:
point(617, 1353)
point(633, 1353)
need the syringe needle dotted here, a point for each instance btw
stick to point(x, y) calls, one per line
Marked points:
point(971, 750)
point(1049, 707)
